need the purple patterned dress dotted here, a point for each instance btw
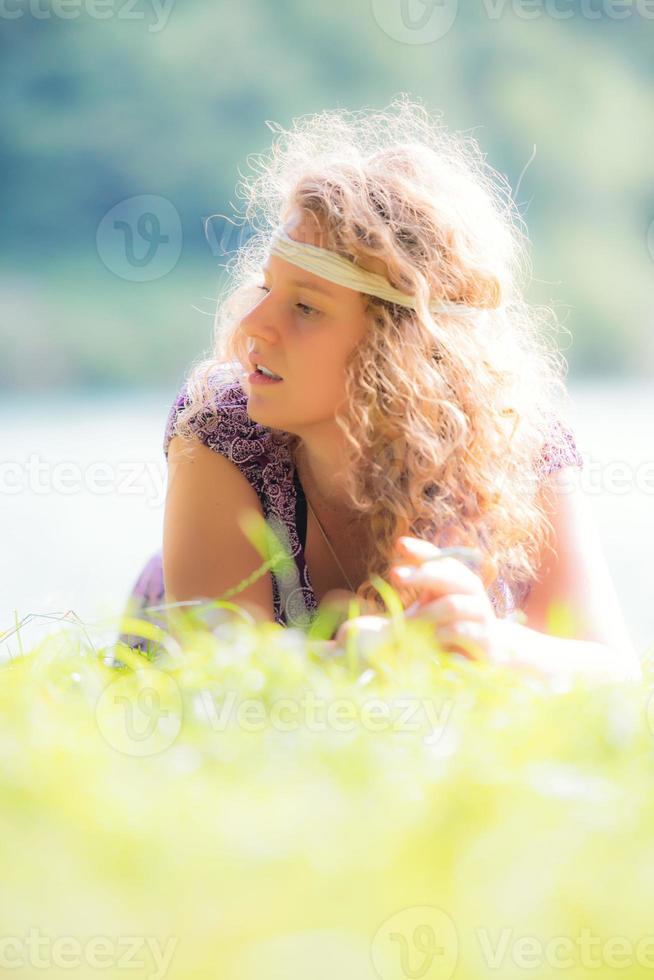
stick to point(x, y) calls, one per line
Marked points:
point(268, 467)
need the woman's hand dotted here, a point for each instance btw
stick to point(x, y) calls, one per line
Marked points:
point(451, 596)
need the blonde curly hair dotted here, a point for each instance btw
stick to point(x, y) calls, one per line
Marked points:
point(448, 418)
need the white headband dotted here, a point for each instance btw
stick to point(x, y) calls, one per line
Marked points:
point(336, 268)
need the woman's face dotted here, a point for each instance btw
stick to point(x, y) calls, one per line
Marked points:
point(303, 328)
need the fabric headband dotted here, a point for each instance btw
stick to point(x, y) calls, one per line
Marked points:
point(336, 268)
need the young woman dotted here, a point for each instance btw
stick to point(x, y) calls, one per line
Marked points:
point(414, 404)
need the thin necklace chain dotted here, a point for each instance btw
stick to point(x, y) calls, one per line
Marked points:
point(327, 541)
point(343, 572)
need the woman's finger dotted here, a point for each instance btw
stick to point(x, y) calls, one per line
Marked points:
point(436, 578)
point(468, 639)
point(417, 550)
point(367, 625)
point(450, 609)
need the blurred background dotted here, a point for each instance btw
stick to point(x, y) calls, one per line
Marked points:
point(125, 127)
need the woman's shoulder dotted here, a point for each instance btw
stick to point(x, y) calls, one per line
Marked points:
point(212, 414)
point(217, 415)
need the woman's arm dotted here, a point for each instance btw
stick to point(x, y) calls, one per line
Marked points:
point(205, 552)
point(566, 659)
point(574, 596)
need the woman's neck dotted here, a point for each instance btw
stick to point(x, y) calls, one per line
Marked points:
point(333, 509)
point(322, 479)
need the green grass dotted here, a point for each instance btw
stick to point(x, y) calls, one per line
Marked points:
point(350, 813)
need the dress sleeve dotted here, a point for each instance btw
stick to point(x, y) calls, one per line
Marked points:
point(179, 403)
point(559, 450)
point(217, 425)
point(225, 427)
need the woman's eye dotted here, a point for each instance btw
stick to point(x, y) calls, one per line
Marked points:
point(303, 306)
point(309, 308)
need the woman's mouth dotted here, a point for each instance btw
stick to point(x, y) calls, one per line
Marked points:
point(259, 378)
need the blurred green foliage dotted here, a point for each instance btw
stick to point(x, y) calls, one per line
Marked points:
point(264, 809)
point(95, 111)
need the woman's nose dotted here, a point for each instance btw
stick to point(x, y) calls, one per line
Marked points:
point(258, 322)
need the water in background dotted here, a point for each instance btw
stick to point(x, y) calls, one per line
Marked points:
point(83, 487)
